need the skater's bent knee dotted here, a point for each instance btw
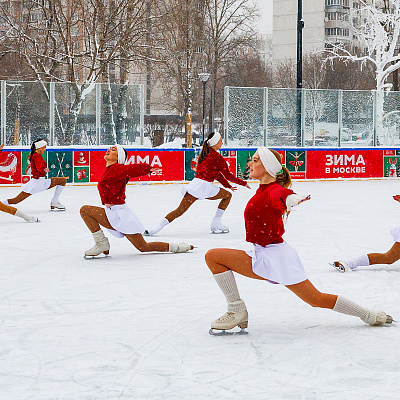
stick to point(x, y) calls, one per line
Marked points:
point(84, 210)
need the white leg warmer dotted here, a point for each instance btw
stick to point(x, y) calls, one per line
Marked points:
point(157, 228)
point(57, 192)
point(348, 307)
point(360, 261)
point(227, 283)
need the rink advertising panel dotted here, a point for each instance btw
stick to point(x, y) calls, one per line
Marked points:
point(329, 164)
point(170, 164)
point(87, 165)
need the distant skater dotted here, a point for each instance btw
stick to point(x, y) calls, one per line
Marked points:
point(272, 259)
point(39, 182)
point(117, 217)
point(211, 166)
point(14, 211)
point(390, 257)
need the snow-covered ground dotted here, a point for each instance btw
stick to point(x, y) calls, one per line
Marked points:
point(135, 326)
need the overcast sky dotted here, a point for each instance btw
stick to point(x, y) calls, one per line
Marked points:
point(266, 16)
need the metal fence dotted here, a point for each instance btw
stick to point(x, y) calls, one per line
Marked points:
point(56, 112)
point(328, 118)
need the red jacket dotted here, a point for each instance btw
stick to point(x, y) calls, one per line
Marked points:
point(214, 167)
point(38, 165)
point(263, 215)
point(113, 182)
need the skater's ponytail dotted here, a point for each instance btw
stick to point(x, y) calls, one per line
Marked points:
point(205, 150)
point(282, 178)
point(33, 148)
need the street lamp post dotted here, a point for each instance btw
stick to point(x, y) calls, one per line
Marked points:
point(299, 85)
point(204, 78)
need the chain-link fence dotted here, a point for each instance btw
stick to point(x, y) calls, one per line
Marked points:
point(63, 114)
point(311, 118)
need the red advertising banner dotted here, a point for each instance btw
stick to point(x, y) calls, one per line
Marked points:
point(10, 167)
point(328, 164)
point(170, 163)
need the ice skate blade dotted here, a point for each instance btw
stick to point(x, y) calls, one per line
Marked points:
point(339, 268)
point(217, 332)
point(218, 232)
point(146, 233)
point(57, 209)
point(98, 256)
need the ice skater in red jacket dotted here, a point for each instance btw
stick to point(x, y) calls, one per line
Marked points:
point(272, 259)
point(116, 216)
point(211, 166)
point(39, 182)
point(14, 211)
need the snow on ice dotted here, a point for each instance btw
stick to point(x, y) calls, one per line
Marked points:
point(135, 326)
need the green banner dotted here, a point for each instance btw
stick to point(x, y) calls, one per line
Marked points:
point(60, 164)
point(243, 159)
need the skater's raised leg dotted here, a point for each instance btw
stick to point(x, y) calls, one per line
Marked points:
point(184, 205)
point(308, 293)
point(14, 211)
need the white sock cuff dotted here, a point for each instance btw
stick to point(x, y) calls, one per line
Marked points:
point(358, 261)
point(348, 307)
point(227, 283)
point(98, 235)
point(219, 213)
point(236, 306)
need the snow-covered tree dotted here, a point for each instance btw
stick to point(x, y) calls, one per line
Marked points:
point(378, 35)
point(75, 42)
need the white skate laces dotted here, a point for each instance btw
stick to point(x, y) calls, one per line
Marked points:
point(377, 318)
point(237, 315)
point(179, 247)
point(102, 245)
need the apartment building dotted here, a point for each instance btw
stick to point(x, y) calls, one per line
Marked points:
point(324, 21)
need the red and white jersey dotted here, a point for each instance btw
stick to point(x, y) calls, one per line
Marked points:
point(113, 182)
point(263, 215)
point(214, 167)
point(38, 166)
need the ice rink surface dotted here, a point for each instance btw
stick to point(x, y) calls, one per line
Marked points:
point(135, 326)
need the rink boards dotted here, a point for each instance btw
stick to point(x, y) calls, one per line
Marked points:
point(86, 165)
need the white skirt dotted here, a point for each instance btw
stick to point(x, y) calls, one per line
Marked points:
point(36, 185)
point(201, 189)
point(279, 263)
point(123, 220)
point(396, 233)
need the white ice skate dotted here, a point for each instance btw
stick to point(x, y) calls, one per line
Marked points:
point(26, 217)
point(341, 266)
point(179, 247)
point(101, 246)
point(57, 207)
point(377, 318)
point(218, 227)
point(237, 315)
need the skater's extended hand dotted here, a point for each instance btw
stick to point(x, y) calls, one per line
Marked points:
point(397, 197)
point(154, 169)
point(233, 188)
point(305, 199)
point(1, 147)
point(247, 185)
point(46, 170)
